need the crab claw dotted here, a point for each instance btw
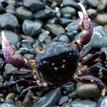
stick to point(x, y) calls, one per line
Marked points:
point(85, 25)
point(9, 53)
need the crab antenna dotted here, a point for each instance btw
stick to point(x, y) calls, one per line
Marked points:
point(84, 11)
point(5, 42)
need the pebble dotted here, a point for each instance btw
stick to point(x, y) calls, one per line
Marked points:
point(102, 5)
point(10, 96)
point(88, 90)
point(92, 13)
point(83, 103)
point(63, 100)
point(31, 28)
point(55, 29)
point(12, 37)
point(49, 99)
point(92, 3)
point(68, 10)
point(57, 1)
point(33, 5)
point(101, 19)
point(23, 13)
point(8, 21)
point(102, 102)
point(71, 3)
point(45, 13)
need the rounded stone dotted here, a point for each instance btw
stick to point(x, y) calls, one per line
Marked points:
point(92, 13)
point(23, 13)
point(92, 3)
point(101, 19)
point(8, 21)
point(88, 90)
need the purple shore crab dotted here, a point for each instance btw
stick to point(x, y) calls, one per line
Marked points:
point(57, 62)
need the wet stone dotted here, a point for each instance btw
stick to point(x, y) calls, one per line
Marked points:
point(54, 20)
point(10, 9)
point(8, 21)
point(88, 90)
point(9, 68)
point(31, 28)
point(71, 3)
point(63, 100)
point(92, 3)
point(12, 37)
point(45, 13)
point(29, 56)
point(61, 38)
point(22, 51)
point(102, 102)
point(23, 13)
point(83, 103)
point(98, 39)
point(7, 105)
point(68, 10)
point(102, 5)
point(28, 100)
point(65, 105)
point(65, 21)
point(49, 99)
point(57, 1)
point(92, 13)
point(101, 19)
point(73, 26)
point(34, 5)
point(55, 29)
point(10, 96)
point(1, 63)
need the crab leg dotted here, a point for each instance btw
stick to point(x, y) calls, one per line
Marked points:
point(20, 73)
point(86, 26)
point(86, 79)
point(85, 52)
point(100, 55)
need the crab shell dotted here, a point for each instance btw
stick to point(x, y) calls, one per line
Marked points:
point(57, 62)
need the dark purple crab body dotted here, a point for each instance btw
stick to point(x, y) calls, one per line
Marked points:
point(57, 63)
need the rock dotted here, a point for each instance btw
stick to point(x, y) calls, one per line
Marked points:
point(102, 102)
point(65, 105)
point(102, 5)
point(54, 20)
point(28, 100)
point(31, 28)
point(101, 19)
point(33, 5)
point(45, 13)
point(23, 13)
point(49, 99)
point(83, 103)
point(88, 90)
point(92, 3)
point(9, 68)
point(73, 26)
point(98, 39)
point(71, 3)
point(10, 96)
point(1, 7)
point(57, 1)
point(55, 29)
point(12, 37)
point(92, 13)
point(63, 100)
point(2, 62)
point(7, 105)
point(65, 21)
point(10, 9)
point(61, 38)
point(8, 21)
point(29, 56)
point(68, 10)
point(22, 51)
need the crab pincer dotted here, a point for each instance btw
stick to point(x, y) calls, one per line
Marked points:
point(85, 25)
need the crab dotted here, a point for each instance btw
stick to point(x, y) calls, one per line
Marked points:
point(57, 62)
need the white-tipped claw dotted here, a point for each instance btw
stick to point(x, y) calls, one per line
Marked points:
point(80, 14)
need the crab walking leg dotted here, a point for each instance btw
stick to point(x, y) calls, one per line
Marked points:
point(100, 55)
point(86, 26)
point(93, 79)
